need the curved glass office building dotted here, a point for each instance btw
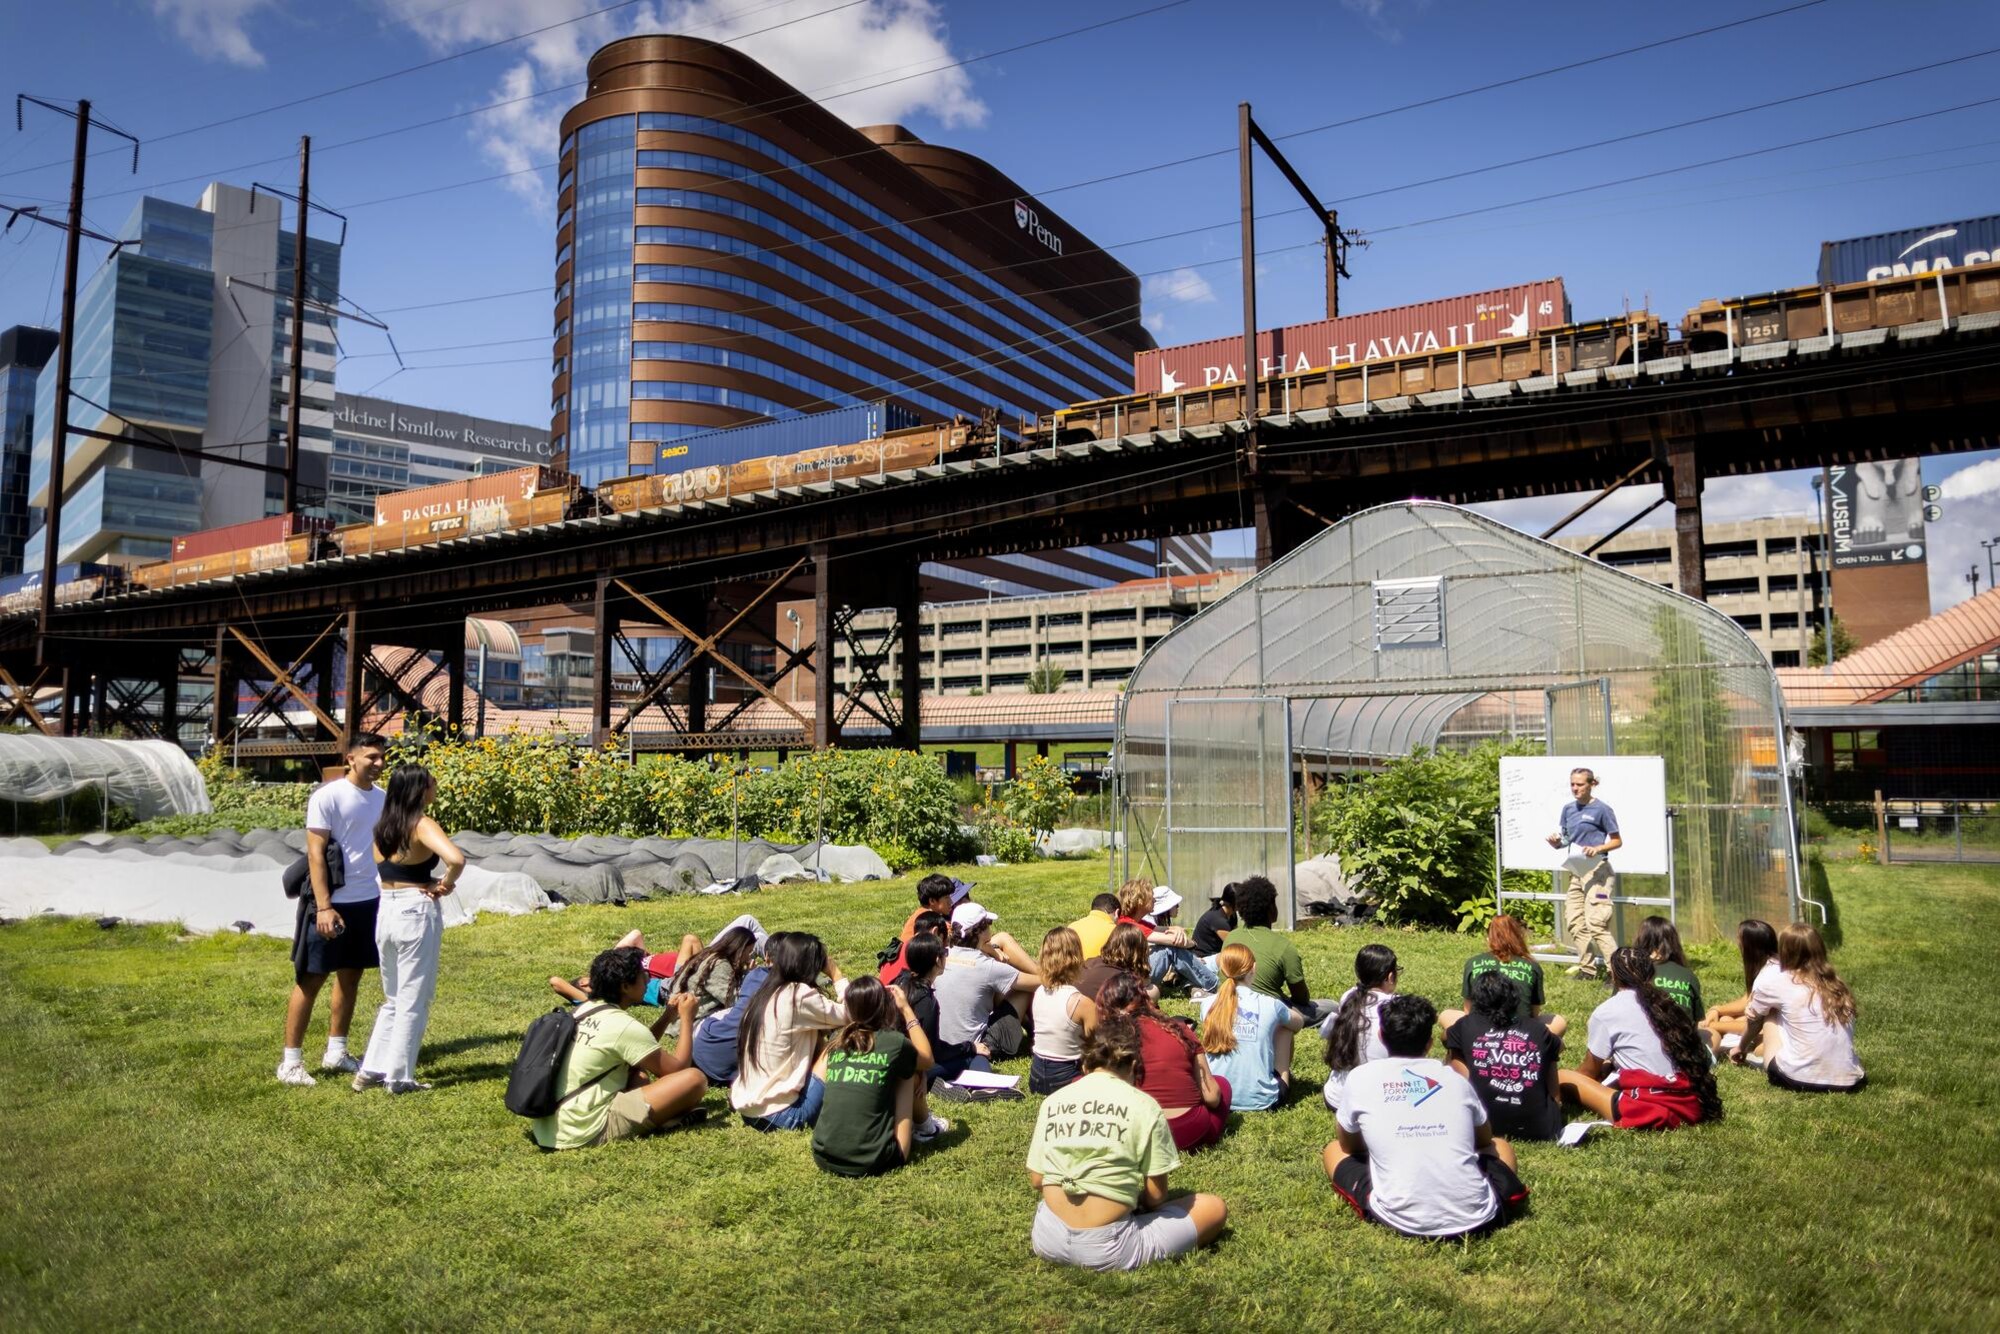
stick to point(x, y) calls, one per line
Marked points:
point(730, 251)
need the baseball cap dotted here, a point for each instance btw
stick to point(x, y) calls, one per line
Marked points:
point(1164, 900)
point(969, 916)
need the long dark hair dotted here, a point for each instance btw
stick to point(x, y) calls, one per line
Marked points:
point(1660, 941)
point(795, 958)
point(1758, 943)
point(1633, 971)
point(1495, 996)
point(1132, 996)
point(870, 1010)
point(1114, 1046)
point(1372, 966)
point(733, 949)
point(410, 790)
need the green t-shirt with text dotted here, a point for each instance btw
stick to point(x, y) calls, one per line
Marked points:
point(855, 1135)
point(1682, 985)
point(1279, 966)
point(1526, 974)
point(1100, 1136)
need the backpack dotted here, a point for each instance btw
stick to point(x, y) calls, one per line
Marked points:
point(537, 1070)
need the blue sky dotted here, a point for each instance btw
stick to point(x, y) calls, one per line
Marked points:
point(1157, 87)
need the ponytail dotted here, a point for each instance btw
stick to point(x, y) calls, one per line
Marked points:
point(1372, 967)
point(1218, 1029)
point(1675, 1028)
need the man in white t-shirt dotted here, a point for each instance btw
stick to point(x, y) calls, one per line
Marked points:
point(336, 930)
point(1415, 1153)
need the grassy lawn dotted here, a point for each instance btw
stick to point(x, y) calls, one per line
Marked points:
point(156, 1175)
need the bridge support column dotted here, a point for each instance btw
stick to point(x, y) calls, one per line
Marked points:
point(1684, 486)
point(694, 615)
point(454, 675)
point(910, 669)
point(1277, 521)
point(170, 699)
point(604, 627)
point(223, 677)
point(826, 722)
point(356, 702)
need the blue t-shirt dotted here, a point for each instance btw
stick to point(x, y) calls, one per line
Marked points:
point(1250, 1068)
point(1588, 825)
point(715, 1036)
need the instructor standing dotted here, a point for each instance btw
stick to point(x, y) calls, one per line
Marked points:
point(1590, 828)
point(336, 932)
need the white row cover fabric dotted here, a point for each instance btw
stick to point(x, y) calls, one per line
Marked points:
point(149, 778)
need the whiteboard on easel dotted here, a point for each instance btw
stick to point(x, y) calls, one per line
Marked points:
point(1535, 788)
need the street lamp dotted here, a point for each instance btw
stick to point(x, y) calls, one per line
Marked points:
point(989, 585)
point(1989, 544)
point(1972, 577)
point(1825, 562)
point(792, 615)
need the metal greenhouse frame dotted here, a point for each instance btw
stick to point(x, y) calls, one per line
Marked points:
point(1423, 624)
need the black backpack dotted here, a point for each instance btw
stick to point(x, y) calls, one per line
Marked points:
point(537, 1069)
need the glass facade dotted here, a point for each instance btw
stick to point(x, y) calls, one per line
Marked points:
point(127, 512)
point(17, 415)
point(600, 355)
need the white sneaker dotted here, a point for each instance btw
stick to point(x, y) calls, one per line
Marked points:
point(1200, 994)
point(344, 1064)
point(933, 1126)
point(400, 1086)
point(291, 1072)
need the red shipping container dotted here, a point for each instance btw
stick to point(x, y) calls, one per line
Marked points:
point(1352, 340)
point(242, 536)
point(450, 500)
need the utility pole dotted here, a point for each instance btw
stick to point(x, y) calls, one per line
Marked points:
point(1244, 130)
point(298, 327)
point(1989, 544)
point(65, 353)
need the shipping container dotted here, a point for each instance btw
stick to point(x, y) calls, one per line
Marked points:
point(429, 522)
point(22, 593)
point(310, 544)
point(17, 583)
point(242, 536)
point(1352, 340)
point(786, 435)
point(448, 501)
point(1914, 250)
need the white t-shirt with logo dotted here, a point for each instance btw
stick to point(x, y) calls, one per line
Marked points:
point(1813, 1051)
point(350, 814)
point(1371, 1040)
point(1420, 1120)
point(1621, 1035)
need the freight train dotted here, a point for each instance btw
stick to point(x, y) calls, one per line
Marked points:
point(535, 496)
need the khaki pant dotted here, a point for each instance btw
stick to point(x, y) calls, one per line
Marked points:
point(1587, 914)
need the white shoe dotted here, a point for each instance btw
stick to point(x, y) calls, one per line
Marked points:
point(295, 1074)
point(933, 1126)
point(344, 1064)
point(400, 1086)
point(363, 1081)
point(1200, 994)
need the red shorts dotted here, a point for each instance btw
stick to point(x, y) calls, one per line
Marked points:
point(1199, 1127)
point(1645, 1101)
point(661, 965)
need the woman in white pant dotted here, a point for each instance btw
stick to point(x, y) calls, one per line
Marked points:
point(409, 846)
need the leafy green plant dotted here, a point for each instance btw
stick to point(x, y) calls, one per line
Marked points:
point(1040, 798)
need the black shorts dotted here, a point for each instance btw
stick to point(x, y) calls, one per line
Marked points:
point(1356, 1185)
point(1046, 1076)
point(1779, 1079)
point(315, 955)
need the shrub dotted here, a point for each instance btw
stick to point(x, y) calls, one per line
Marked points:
point(1416, 837)
point(1041, 797)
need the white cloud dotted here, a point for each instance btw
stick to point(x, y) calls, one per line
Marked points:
point(1980, 479)
point(1156, 323)
point(1186, 287)
point(871, 63)
point(1382, 15)
point(216, 28)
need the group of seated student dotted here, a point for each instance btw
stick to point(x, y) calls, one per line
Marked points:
point(1424, 1143)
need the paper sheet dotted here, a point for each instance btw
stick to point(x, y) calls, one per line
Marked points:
point(1579, 864)
point(1576, 1132)
point(986, 1079)
point(1731, 1041)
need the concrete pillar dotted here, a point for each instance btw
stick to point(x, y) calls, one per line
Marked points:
point(454, 675)
point(694, 615)
point(357, 652)
point(223, 683)
point(825, 691)
point(1685, 488)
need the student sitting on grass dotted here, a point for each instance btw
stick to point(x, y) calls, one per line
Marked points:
point(1660, 941)
point(1512, 1060)
point(988, 984)
point(926, 923)
point(1150, 908)
point(1415, 1151)
point(1801, 1020)
point(1354, 1031)
point(1666, 1077)
point(616, 1083)
point(1240, 1029)
point(1125, 951)
point(1063, 1015)
point(1507, 952)
point(775, 1088)
point(926, 962)
point(874, 1074)
point(935, 894)
point(711, 975)
point(1176, 1073)
point(1094, 927)
point(1757, 943)
point(1211, 932)
point(1100, 1157)
point(1281, 973)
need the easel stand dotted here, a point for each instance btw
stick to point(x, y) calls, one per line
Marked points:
point(1550, 954)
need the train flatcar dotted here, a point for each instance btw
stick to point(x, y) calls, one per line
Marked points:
point(262, 544)
point(1817, 312)
point(21, 594)
point(1572, 347)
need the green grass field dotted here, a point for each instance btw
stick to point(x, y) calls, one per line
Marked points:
point(155, 1175)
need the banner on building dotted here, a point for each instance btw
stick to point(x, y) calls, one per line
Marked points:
point(1875, 513)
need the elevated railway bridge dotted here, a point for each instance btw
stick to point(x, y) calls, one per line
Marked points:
point(711, 571)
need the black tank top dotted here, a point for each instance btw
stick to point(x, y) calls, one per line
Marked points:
point(407, 873)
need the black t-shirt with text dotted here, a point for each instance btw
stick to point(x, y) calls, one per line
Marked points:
point(856, 1131)
point(1682, 985)
point(1513, 1069)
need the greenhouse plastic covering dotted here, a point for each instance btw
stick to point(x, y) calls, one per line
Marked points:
point(1420, 624)
point(148, 778)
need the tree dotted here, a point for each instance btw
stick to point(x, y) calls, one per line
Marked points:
point(1046, 679)
point(1843, 644)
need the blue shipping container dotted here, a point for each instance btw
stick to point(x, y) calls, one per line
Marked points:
point(786, 435)
point(1949, 245)
point(65, 574)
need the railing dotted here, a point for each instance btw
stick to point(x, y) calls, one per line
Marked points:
point(1943, 829)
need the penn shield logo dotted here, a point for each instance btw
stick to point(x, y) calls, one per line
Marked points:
point(1030, 222)
point(1020, 215)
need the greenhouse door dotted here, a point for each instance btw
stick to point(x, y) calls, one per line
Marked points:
point(1229, 797)
point(1579, 723)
